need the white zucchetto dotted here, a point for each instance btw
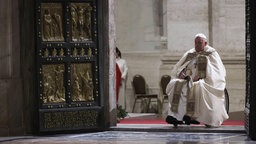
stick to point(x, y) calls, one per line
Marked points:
point(201, 35)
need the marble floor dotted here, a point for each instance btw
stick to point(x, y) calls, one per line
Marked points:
point(129, 137)
point(143, 134)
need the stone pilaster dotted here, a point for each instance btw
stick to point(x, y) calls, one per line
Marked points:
point(11, 96)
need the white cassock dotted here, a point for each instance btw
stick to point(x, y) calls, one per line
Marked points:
point(124, 70)
point(203, 100)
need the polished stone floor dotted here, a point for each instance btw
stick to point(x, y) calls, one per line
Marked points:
point(143, 134)
point(129, 137)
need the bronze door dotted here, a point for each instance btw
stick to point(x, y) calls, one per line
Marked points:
point(68, 65)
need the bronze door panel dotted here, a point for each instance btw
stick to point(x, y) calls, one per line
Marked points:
point(68, 64)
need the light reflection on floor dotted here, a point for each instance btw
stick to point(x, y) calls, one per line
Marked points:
point(128, 137)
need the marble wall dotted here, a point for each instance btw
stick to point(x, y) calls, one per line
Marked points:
point(153, 54)
point(111, 38)
point(10, 79)
point(152, 36)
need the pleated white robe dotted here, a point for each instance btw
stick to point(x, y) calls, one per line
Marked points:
point(207, 94)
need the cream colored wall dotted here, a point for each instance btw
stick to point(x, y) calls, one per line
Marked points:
point(147, 52)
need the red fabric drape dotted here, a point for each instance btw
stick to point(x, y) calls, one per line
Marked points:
point(118, 80)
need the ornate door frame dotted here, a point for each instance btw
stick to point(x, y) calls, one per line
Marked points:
point(69, 54)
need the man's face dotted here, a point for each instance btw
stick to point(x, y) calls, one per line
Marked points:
point(200, 43)
point(116, 54)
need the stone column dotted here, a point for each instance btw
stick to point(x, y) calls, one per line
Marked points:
point(112, 64)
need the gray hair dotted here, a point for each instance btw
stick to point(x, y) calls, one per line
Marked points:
point(201, 35)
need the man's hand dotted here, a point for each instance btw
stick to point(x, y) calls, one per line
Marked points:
point(196, 78)
point(182, 75)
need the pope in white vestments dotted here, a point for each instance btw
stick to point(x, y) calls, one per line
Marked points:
point(196, 90)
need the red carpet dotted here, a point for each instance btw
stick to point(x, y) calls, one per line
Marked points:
point(160, 121)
